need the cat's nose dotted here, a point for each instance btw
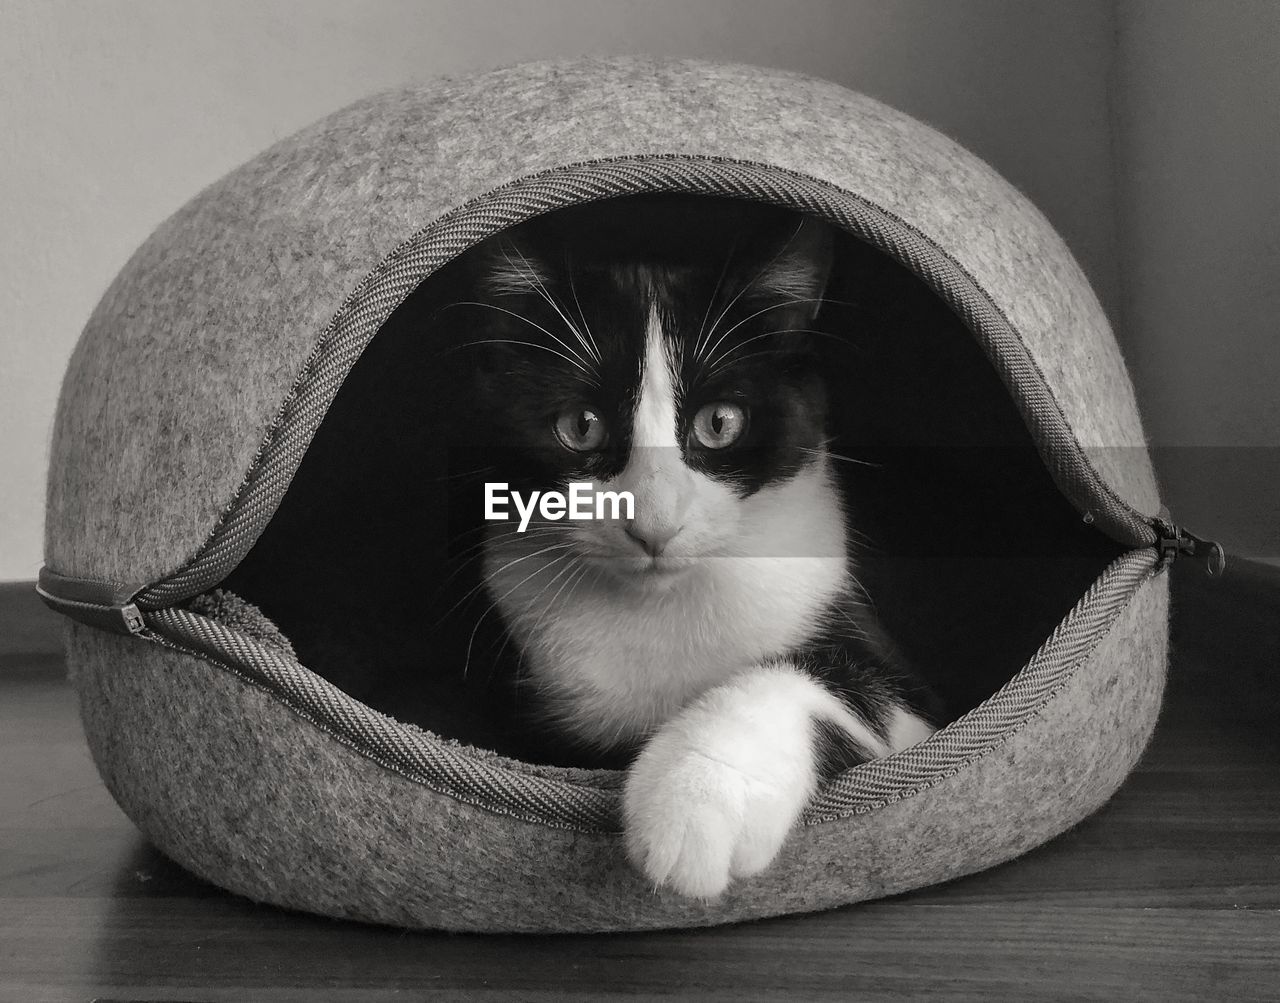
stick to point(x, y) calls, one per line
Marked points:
point(653, 539)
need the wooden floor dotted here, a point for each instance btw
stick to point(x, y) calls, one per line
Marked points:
point(1171, 892)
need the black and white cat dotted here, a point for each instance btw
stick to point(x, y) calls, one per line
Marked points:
point(666, 346)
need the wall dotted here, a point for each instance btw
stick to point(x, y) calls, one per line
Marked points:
point(1197, 116)
point(114, 113)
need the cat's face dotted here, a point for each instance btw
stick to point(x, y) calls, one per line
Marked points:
point(659, 347)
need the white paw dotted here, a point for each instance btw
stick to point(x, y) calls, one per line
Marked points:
point(693, 823)
point(715, 792)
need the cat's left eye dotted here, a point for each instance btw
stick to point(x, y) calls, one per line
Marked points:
point(581, 429)
point(718, 425)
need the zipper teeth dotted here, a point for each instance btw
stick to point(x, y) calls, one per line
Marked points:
point(368, 306)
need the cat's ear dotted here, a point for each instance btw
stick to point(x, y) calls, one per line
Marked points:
point(799, 270)
point(507, 268)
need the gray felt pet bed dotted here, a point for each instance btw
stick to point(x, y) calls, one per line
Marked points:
point(207, 370)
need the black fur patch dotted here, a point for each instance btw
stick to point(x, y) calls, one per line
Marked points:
point(556, 312)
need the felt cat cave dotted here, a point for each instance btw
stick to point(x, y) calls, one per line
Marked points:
point(238, 406)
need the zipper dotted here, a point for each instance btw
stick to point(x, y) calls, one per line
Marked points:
point(1173, 541)
point(103, 604)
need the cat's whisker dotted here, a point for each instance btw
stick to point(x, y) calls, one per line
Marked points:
point(729, 354)
point(507, 638)
point(487, 537)
point(498, 602)
point(859, 594)
point(820, 300)
point(571, 356)
point(764, 268)
point(486, 580)
point(476, 551)
point(832, 301)
point(496, 661)
point(528, 344)
point(525, 557)
point(840, 458)
point(545, 294)
point(731, 358)
point(576, 568)
point(862, 538)
point(573, 288)
point(535, 601)
point(708, 360)
point(495, 537)
point(839, 612)
point(474, 554)
point(702, 328)
point(532, 323)
point(458, 475)
point(507, 634)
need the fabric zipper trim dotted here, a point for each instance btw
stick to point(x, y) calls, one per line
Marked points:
point(593, 807)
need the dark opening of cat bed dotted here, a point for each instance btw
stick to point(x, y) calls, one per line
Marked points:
point(972, 553)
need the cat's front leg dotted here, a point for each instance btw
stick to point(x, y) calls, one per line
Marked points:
point(716, 790)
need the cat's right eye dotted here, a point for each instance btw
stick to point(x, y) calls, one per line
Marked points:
point(581, 429)
point(719, 425)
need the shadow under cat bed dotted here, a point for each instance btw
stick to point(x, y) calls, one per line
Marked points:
point(263, 513)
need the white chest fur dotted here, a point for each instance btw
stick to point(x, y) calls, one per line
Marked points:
point(613, 658)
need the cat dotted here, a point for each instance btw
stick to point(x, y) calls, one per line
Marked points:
point(670, 347)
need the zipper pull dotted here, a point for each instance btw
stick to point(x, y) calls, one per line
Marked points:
point(107, 605)
point(1174, 541)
